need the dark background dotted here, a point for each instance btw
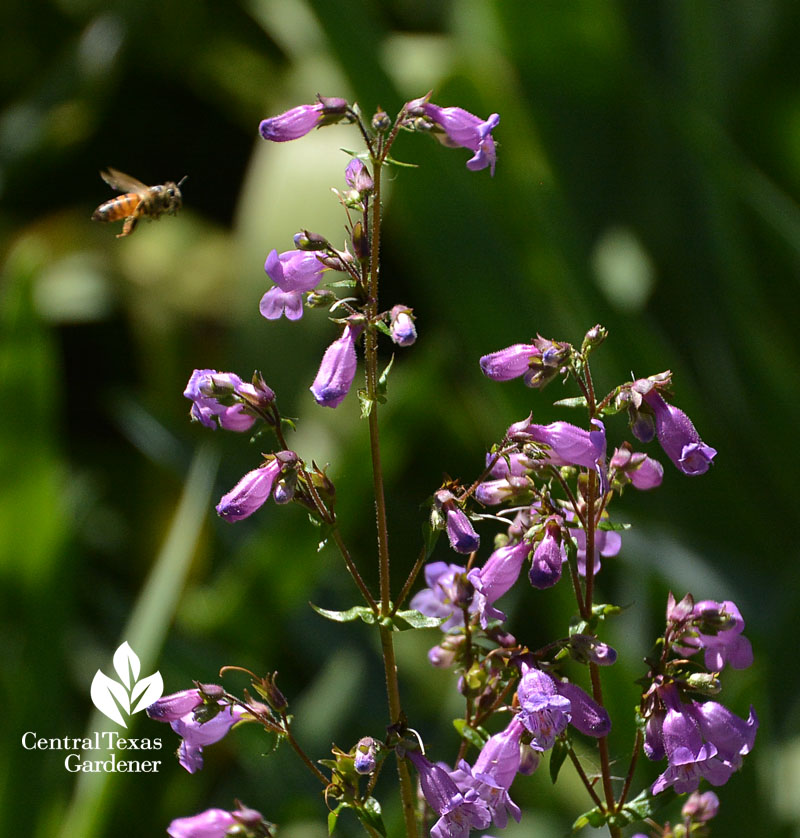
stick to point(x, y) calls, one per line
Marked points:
point(648, 172)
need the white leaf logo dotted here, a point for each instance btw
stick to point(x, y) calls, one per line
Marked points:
point(113, 698)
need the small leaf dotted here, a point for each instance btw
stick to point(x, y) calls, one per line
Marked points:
point(357, 612)
point(366, 404)
point(333, 816)
point(413, 619)
point(557, 757)
point(430, 536)
point(476, 737)
point(595, 817)
point(644, 805)
point(108, 696)
point(608, 526)
point(383, 381)
point(399, 163)
point(577, 401)
point(126, 664)
point(370, 814)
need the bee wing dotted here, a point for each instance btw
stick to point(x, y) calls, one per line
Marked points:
point(119, 180)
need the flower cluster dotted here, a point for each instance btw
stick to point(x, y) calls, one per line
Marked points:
point(699, 738)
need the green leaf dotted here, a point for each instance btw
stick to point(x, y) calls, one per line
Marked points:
point(476, 737)
point(430, 535)
point(413, 619)
point(357, 612)
point(366, 404)
point(333, 817)
point(370, 814)
point(557, 756)
point(644, 805)
point(595, 817)
point(383, 380)
point(577, 401)
point(608, 526)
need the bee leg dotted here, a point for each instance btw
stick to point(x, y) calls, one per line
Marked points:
point(128, 227)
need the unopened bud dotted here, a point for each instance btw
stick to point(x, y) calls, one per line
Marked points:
point(706, 683)
point(401, 325)
point(365, 760)
point(595, 336)
point(320, 299)
point(380, 121)
point(304, 240)
point(360, 242)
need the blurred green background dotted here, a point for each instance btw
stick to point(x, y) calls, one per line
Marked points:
point(649, 166)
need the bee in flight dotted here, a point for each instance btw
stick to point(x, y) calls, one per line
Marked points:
point(139, 201)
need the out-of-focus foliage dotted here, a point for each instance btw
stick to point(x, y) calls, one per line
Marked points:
point(649, 167)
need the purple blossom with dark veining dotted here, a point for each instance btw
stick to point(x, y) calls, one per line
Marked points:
point(497, 577)
point(678, 436)
point(293, 272)
point(447, 593)
point(337, 369)
point(299, 121)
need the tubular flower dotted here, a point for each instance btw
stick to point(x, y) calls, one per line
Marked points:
point(460, 532)
point(459, 811)
point(678, 437)
point(252, 491)
point(716, 628)
point(567, 445)
point(496, 578)
point(461, 128)
point(299, 121)
point(293, 272)
point(216, 823)
point(509, 363)
point(170, 708)
point(548, 557)
point(337, 369)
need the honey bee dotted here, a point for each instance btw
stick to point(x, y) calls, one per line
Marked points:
point(139, 201)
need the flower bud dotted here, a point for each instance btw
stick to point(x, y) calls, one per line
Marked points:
point(365, 756)
point(304, 240)
point(706, 683)
point(401, 325)
point(360, 241)
point(381, 122)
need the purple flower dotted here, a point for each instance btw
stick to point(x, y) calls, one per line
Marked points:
point(548, 705)
point(543, 711)
point(206, 387)
point(678, 437)
point(297, 122)
point(401, 326)
point(508, 363)
point(357, 176)
point(338, 369)
point(462, 128)
point(698, 739)
point(459, 812)
point(170, 708)
point(447, 592)
point(566, 444)
point(715, 627)
point(252, 491)
point(293, 272)
point(643, 471)
point(215, 823)
point(496, 578)
point(196, 735)
point(511, 472)
point(460, 532)
point(548, 557)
